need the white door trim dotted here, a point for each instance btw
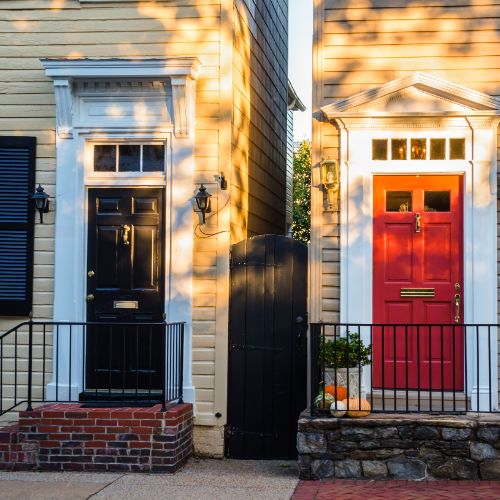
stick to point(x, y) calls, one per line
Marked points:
point(74, 134)
point(480, 228)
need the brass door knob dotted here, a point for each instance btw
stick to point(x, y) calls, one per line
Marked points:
point(91, 274)
point(90, 297)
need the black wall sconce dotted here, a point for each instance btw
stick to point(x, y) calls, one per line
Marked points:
point(203, 201)
point(41, 199)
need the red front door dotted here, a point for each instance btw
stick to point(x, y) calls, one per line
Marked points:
point(418, 280)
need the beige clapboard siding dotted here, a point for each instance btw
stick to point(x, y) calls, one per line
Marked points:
point(30, 31)
point(259, 123)
point(361, 45)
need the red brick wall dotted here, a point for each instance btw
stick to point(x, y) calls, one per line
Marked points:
point(69, 437)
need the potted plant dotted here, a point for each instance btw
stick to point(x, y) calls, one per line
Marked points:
point(342, 359)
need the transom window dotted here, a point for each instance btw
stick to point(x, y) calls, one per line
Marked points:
point(420, 148)
point(129, 158)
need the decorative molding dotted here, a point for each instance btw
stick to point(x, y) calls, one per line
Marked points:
point(142, 68)
point(64, 108)
point(474, 103)
point(104, 76)
point(181, 105)
point(403, 123)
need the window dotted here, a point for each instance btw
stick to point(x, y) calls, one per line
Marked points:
point(438, 149)
point(399, 148)
point(129, 158)
point(398, 201)
point(379, 149)
point(437, 201)
point(17, 216)
point(457, 149)
point(418, 149)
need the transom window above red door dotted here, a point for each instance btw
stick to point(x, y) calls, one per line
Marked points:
point(420, 148)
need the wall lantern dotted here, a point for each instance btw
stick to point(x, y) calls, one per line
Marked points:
point(330, 178)
point(203, 201)
point(41, 199)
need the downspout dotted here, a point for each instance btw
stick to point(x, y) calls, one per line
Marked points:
point(344, 231)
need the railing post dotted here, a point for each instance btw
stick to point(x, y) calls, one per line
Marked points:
point(164, 374)
point(30, 364)
point(181, 365)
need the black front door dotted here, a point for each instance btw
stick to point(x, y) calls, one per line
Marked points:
point(125, 285)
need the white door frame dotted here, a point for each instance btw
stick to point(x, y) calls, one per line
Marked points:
point(75, 132)
point(422, 106)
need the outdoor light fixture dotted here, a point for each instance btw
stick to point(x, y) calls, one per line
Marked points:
point(203, 201)
point(330, 178)
point(41, 199)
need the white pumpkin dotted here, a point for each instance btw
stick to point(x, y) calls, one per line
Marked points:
point(338, 409)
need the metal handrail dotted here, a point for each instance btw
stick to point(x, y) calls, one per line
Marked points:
point(71, 351)
point(413, 367)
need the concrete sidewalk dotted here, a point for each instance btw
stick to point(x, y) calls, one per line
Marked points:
point(199, 479)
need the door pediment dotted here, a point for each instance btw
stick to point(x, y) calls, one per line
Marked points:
point(417, 95)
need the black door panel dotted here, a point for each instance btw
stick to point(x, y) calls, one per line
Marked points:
point(126, 282)
point(267, 347)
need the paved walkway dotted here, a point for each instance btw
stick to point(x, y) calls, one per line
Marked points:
point(199, 479)
point(396, 490)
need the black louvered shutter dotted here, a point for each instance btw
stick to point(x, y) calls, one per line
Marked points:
point(17, 183)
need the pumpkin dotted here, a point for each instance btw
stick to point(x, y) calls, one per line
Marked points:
point(338, 409)
point(324, 404)
point(357, 407)
point(339, 392)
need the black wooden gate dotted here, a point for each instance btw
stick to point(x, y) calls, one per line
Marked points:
point(267, 347)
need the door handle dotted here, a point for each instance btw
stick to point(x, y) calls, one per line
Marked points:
point(90, 297)
point(125, 231)
point(457, 308)
point(418, 222)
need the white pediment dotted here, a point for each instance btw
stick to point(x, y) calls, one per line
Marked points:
point(420, 94)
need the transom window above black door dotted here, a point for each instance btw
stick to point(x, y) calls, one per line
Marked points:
point(124, 158)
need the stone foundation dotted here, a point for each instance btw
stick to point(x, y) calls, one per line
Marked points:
point(208, 441)
point(69, 437)
point(389, 446)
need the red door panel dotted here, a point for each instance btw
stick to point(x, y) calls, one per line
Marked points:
point(412, 255)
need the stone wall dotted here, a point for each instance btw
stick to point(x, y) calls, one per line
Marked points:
point(69, 437)
point(384, 446)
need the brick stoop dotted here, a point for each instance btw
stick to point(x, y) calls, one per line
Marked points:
point(69, 437)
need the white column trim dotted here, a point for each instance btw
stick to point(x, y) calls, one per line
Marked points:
point(64, 108)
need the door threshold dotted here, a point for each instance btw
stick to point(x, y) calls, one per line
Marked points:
point(105, 398)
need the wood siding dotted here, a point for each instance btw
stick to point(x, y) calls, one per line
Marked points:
point(289, 171)
point(358, 46)
point(241, 108)
point(30, 30)
point(260, 91)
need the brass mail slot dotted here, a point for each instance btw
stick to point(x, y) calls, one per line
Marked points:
point(418, 292)
point(126, 304)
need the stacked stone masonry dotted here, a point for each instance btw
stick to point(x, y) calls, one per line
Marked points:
point(410, 447)
point(69, 437)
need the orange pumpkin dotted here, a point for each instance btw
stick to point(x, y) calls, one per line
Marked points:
point(357, 407)
point(340, 394)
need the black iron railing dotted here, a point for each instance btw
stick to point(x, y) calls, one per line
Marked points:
point(95, 363)
point(403, 368)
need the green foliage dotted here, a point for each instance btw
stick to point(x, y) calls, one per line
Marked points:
point(341, 353)
point(301, 225)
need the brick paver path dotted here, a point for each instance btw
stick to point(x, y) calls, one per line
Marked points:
point(392, 490)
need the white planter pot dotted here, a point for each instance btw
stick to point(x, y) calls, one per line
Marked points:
point(342, 376)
